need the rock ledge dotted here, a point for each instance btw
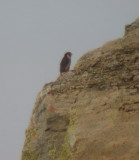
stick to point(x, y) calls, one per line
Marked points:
point(92, 112)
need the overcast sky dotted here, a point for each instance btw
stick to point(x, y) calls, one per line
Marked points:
point(34, 34)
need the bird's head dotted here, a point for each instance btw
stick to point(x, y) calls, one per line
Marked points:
point(68, 54)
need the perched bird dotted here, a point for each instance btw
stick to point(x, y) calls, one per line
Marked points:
point(65, 63)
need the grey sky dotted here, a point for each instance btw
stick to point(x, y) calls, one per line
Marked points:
point(34, 34)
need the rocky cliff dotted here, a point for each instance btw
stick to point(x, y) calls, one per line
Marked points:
point(92, 112)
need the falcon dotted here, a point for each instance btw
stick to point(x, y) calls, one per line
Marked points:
point(65, 63)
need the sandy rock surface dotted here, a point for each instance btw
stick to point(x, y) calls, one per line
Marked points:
point(92, 112)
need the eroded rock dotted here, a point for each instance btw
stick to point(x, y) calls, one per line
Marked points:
point(92, 112)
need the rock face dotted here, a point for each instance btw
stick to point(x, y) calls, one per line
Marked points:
point(92, 112)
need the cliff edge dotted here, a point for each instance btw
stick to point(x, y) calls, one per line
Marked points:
point(92, 112)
